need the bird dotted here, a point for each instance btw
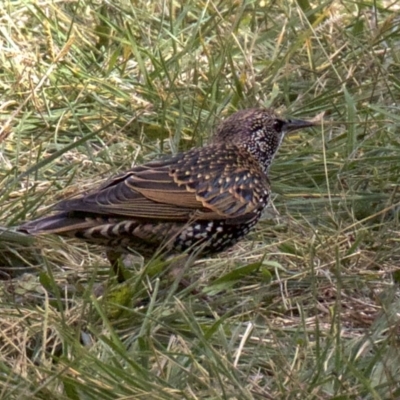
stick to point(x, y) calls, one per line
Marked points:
point(203, 200)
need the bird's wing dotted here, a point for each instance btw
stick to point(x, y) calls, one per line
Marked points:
point(206, 183)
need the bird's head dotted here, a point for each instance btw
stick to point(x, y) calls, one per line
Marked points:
point(259, 131)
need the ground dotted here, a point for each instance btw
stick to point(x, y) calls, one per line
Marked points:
point(307, 305)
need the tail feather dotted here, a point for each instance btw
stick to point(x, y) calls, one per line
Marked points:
point(61, 224)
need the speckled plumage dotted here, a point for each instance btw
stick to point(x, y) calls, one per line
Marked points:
point(204, 199)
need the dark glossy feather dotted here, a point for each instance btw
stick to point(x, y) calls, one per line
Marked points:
point(164, 190)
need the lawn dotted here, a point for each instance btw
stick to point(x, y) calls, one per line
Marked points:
point(307, 306)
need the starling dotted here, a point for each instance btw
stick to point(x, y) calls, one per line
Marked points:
point(204, 200)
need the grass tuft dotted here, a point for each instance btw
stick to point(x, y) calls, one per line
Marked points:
point(306, 306)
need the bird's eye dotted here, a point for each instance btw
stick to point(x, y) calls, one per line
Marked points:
point(278, 124)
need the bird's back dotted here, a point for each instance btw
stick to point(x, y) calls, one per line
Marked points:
point(210, 196)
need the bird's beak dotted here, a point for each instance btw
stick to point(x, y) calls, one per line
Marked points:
point(291, 125)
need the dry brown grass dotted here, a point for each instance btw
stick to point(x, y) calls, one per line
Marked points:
point(307, 305)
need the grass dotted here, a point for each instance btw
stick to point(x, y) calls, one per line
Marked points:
point(307, 305)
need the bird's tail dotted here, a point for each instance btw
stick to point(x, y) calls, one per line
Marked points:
point(60, 224)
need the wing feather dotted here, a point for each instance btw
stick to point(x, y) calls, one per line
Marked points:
point(216, 182)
